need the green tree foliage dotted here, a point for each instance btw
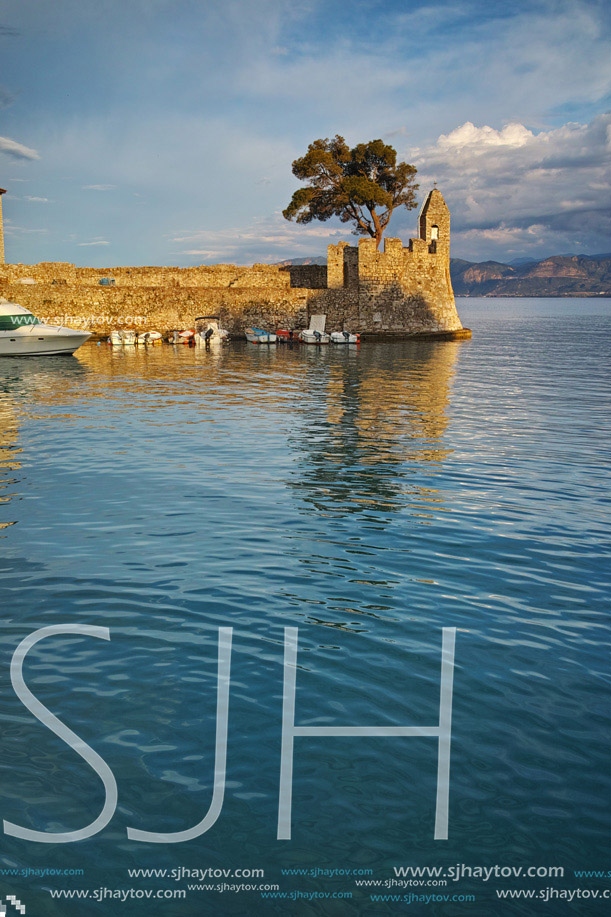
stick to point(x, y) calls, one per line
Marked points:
point(363, 185)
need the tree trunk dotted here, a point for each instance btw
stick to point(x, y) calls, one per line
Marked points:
point(379, 229)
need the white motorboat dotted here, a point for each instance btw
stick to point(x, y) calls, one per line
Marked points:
point(181, 337)
point(209, 333)
point(149, 337)
point(284, 336)
point(316, 333)
point(123, 338)
point(344, 337)
point(22, 334)
point(314, 337)
point(259, 336)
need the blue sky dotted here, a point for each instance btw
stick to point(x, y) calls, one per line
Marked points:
point(163, 131)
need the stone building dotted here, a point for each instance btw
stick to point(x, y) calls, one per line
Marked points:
point(400, 289)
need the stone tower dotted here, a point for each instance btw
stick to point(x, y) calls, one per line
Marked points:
point(435, 223)
point(400, 290)
point(2, 191)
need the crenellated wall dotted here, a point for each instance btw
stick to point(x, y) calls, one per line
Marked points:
point(401, 289)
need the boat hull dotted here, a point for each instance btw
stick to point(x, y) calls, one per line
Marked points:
point(314, 337)
point(41, 340)
point(287, 337)
point(344, 337)
point(260, 337)
point(210, 334)
point(149, 337)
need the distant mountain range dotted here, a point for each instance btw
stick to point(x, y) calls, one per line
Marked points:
point(314, 259)
point(560, 275)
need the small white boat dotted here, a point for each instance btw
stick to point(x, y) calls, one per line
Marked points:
point(344, 337)
point(181, 337)
point(285, 336)
point(316, 333)
point(22, 334)
point(314, 337)
point(259, 336)
point(122, 338)
point(149, 337)
point(210, 333)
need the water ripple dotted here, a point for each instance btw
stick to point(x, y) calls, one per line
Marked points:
point(369, 498)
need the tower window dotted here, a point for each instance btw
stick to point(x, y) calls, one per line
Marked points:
point(434, 233)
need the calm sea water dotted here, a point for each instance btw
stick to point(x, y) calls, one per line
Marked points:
point(368, 498)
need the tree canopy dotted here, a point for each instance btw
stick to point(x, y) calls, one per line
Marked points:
point(363, 185)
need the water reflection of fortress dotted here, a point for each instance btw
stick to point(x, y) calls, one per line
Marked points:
point(28, 385)
point(381, 430)
point(9, 452)
point(367, 426)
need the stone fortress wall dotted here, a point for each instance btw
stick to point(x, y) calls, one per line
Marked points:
point(398, 291)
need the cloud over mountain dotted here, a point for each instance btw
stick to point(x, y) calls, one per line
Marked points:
point(521, 190)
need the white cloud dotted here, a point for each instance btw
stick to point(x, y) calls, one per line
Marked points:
point(267, 240)
point(196, 117)
point(419, 70)
point(508, 236)
point(12, 229)
point(479, 139)
point(93, 243)
point(17, 150)
point(520, 188)
point(37, 200)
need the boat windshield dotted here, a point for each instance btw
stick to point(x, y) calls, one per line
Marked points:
point(17, 320)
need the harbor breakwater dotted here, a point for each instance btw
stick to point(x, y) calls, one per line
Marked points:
point(163, 298)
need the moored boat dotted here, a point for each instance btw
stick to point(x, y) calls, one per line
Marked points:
point(345, 337)
point(149, 337)
point(22, 334)
point(181, 337)
point(309, 336)
point(209, 332)
point(259, 336)
point(287, 337)
point(316, 333)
